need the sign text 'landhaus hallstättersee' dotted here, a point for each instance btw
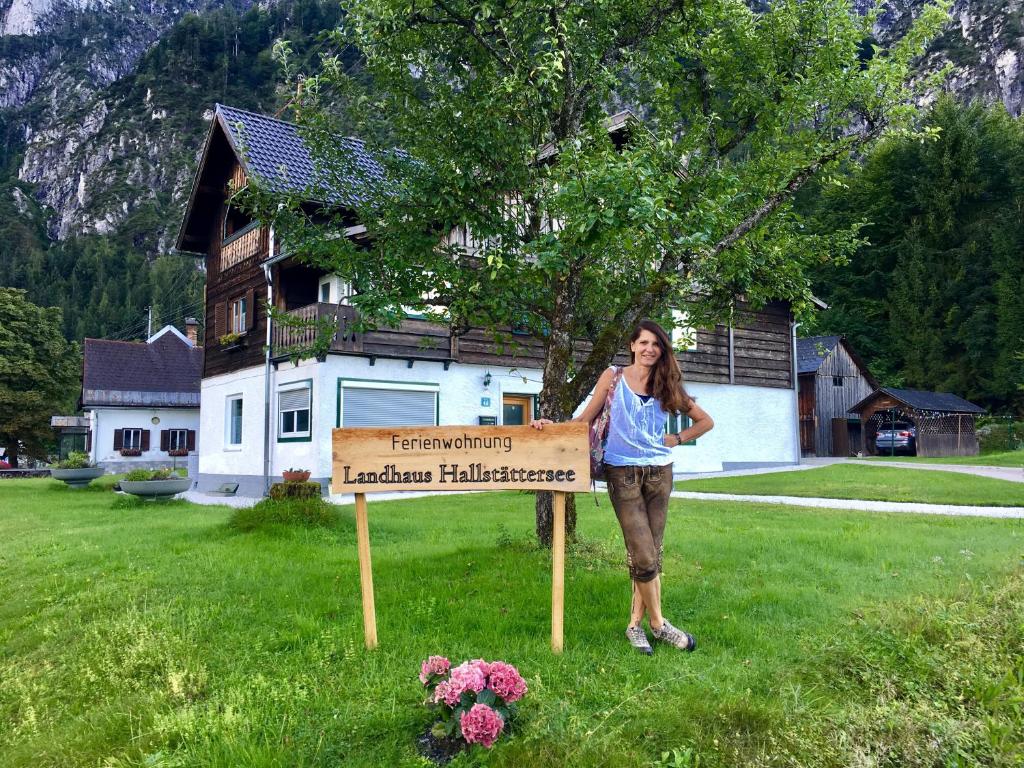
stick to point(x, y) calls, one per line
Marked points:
point(367, 460)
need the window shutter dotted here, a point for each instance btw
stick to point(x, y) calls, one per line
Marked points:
point(88, 441)
point(165, 440)
point(220, 319)
point(145, 439)
point(294, 399)
point(250, 309)
point(387, 408)
point(190, 440)
point(118, 439)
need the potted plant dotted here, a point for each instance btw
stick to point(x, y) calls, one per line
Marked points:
point(154, 483)
point(130, 451)
point(292, 475)
point(230, 340)
point(76, 470)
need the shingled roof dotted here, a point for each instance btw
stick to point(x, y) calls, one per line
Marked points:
point(920, 400)
point(162, 372)
point(812, 351)
point(275, 152)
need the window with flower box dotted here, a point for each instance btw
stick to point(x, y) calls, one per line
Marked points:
point(131, 441)
point(177, 442)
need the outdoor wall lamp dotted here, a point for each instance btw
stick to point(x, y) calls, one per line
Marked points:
point(487, 380)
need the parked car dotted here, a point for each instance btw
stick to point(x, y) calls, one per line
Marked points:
point(900, 437)
point(4, 464)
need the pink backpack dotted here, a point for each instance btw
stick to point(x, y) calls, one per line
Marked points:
point(599, 431)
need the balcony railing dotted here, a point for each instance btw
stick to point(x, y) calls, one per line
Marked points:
point(414, 339)
point(241, 247)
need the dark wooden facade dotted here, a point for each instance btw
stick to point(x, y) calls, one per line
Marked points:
point(755, 351)
point(826, 395)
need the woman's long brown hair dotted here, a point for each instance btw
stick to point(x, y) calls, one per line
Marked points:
point(665, 381)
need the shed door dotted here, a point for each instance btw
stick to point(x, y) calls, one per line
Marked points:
point(807, 419)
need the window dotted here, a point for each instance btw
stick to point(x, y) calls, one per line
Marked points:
point(132, 440)
point(380, 404)
point(177, 439)
point(236, 221)
point(234, 421)
point(684, 336)
point(837, 381)
point(325, 293)
point(677, 422)
point(239, 315)
point(293, 406)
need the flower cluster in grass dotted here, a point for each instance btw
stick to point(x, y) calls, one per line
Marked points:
point(474, 699)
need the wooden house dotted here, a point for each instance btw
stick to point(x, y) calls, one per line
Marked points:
point(944, 422)
point(262, 413)
point(832, 379)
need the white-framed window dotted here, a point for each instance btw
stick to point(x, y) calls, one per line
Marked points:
point(293, 411)
point(177, 439)
point(387, 404)
point(677, 422)
point(684, 335)
point(238, 315)
point(234, 421)
point(132, 440)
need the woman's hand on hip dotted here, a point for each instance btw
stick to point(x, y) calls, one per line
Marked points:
point(539, 423)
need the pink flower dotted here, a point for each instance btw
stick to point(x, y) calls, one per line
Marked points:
point(481, 725)
point(447, 693)
point(435, 665)
point(468, 677)
point(480, 664)
point(506, 681)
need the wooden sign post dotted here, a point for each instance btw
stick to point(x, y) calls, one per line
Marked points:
point(367, 460)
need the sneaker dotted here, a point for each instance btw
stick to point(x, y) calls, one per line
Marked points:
point(675, 637)
point(638, 639)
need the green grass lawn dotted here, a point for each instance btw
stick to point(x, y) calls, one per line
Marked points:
point(156, 635)
point(1001, 459)
point(857, 481)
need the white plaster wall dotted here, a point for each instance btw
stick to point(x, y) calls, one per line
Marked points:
point(752, 424)
point(216, 457)
point(105, 420)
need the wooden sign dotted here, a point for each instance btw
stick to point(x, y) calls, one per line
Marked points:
point(459, 459)
point(367, 460)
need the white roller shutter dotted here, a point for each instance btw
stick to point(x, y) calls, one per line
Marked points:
point(294, 399)
point(388, 407)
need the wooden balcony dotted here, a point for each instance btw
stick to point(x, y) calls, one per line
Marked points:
point(413, 340)
point(243, 247)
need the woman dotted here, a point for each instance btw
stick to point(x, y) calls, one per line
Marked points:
point(638, 467)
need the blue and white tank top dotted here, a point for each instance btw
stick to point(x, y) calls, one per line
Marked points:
point(636, 430)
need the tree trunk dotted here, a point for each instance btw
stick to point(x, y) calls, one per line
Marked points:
point(12, 454)
point(545, 517)
point(556, 396)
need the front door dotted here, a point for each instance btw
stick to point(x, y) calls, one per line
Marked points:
point(515, 410)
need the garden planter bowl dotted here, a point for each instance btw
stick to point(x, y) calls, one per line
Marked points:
point(77, 478)
point(156, 489)
point(296, 477)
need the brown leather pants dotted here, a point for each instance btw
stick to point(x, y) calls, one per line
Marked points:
point(640, 498)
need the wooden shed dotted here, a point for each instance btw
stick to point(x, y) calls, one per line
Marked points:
point(944, 421)
point(832, 378)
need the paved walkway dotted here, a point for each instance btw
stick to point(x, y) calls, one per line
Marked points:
point(860, 504)
point(1013, 474)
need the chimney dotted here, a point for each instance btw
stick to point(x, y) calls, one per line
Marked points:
point(192, 330)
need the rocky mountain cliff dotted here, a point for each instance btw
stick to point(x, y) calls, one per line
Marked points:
point(103, 103)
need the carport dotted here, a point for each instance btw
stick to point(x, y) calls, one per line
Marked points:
point(944, 421)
